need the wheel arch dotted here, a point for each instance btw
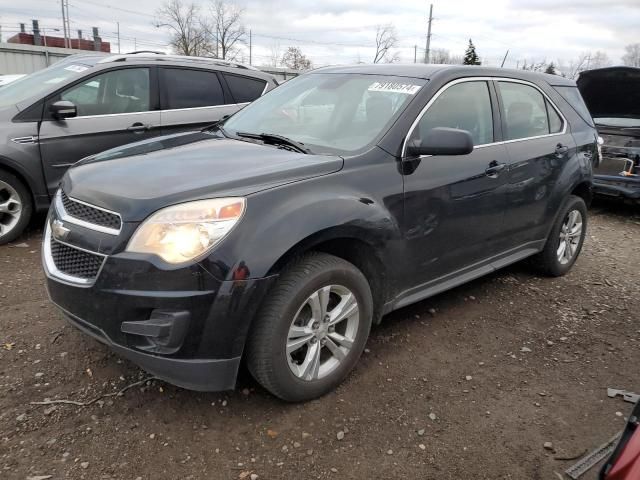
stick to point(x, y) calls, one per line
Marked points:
point(584, 190)
point(11, 168)
point(350, 245)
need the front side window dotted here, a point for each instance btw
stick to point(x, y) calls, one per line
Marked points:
point(185, 88)
point(329, 112)
point(117, 91)
point(525, 111)
point(465, 106)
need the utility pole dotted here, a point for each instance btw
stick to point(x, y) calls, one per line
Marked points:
point(426, 52)
point(250, 46)
point(415, 54)
point(504, 59)
point(68, 22)
point(64, 23)
point(118, 23)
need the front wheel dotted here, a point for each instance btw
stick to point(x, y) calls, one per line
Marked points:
point(565, 240)
point(15, 207)
point(312, 328)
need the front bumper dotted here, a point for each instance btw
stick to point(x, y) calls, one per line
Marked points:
point(182, 325)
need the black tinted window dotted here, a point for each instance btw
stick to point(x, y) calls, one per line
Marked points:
point(525, 111)
point(573, 97)
point(245, 89)
point(555, 122)
point(466, 106)
point(190, 88)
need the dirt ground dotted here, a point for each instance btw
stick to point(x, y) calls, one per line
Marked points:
point(467, 385)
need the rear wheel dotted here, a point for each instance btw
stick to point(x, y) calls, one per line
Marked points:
point(15, 207)
point(565, 240)
point(311, 329)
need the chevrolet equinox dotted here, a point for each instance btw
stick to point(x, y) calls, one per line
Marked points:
point(280, 235)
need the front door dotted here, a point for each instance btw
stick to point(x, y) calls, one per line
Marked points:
point(454, 205)
point(114, 108)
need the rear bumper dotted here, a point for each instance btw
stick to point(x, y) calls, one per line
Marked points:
point(617, 187)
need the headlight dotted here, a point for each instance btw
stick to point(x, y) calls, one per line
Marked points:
point(183, 232)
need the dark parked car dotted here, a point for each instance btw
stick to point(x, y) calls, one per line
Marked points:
point(283, 233)
point(88, 103)
point(612, 96)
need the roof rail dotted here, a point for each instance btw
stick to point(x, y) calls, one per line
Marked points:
point(160, 56)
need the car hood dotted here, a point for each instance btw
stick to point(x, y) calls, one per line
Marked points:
point(611, 92)
point(138, 179)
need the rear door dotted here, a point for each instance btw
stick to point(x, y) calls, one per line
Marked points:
point(115, 107)
point(192, 98)
point(539, 144)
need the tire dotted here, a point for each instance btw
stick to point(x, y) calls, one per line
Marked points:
point(288, 318)
point(550, 261)
point(16, 207)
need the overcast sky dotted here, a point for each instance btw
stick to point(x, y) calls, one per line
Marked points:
point(343, 31)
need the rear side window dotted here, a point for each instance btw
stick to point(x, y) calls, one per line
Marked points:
point(573, 98)
point(245, 89)
point(184, 88)
point(466, 106)
point(525, 111)
point(555, 122)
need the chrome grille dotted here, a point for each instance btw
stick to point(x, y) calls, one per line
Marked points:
point(74, 262)
point(89, 214)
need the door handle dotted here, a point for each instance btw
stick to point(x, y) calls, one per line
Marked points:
point(561, 150)
point(494, 169)
point(138, 128)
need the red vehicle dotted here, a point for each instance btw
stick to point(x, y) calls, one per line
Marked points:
point(624, 464)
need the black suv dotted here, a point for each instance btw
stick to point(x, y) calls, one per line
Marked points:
point(283, 233)
point(88, 103)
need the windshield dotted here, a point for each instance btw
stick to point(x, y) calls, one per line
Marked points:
point(328, 113)
point(39, 82)
point(617, 122)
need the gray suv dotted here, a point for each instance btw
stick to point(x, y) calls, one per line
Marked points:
point(88, 103)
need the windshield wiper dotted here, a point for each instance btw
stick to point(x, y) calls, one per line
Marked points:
point(275, 139)
point(217, 126)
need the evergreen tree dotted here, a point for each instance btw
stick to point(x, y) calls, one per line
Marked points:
point(551, 68)
point(470, 56)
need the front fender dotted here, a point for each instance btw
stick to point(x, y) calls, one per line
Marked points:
point(302, 214)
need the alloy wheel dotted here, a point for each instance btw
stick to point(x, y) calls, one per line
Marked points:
point(570, 235)
point(10, 208)
point(323, 332)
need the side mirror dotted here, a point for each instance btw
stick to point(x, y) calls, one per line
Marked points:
point(442, 141)
point(63, 109)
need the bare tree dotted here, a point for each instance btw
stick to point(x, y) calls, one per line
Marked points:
point(578, 65)
point(632, 56)
point(187, 34)
point(599, 59)
point(444, 57)
point(439, 56)
point(294, 58)
point(225, 30)
point(386, 39)
point(274, 56)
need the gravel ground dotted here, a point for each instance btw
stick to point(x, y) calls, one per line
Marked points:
point(467, 385)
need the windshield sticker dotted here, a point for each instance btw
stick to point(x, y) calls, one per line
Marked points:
point(394, 87)
point(76, 68)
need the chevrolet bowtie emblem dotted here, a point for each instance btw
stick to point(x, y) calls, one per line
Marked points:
point(59, 231)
